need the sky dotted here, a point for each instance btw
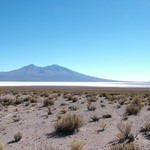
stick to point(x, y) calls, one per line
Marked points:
point(103, 38)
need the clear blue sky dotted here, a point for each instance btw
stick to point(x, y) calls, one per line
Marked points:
point(102, 38)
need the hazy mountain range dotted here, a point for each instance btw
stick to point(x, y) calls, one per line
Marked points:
point(53, 73)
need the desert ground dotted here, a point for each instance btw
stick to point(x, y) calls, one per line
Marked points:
point(74, 118)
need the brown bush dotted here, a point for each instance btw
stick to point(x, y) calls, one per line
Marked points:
point(130, 146)
point(76, 145)
point(146, 130)
point(134, 107)
point(47, 102)
point(124, 134)
point(68, 124)
point(91, 107)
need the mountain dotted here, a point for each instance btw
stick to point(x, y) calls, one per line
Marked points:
point(53, 73)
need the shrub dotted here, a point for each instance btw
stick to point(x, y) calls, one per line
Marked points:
point(76, 145)
point(102, 127)
point(92, 99)
point(146, 127)
point(26, 99)
point(68, 124)
point(49, 110)
point(17, 137)
point(122, 101)
point(95, 118)
point(63, 111)
point(6, 101)
point(107, 116)
point(90, 107)
point(47, 102)
point(63, 104)
point(74, 99)
point(146, 130)
point(68, 96)
point(134, 107)
point(130, 146)
point(124, 134)
point(33, 100)
point(18, 101)
point(73, 107)
point(44, 94)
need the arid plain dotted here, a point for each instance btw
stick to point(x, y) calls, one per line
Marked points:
point(74, 118)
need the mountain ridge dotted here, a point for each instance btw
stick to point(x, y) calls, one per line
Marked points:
point(52, 73)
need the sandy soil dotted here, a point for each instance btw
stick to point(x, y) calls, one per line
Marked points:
point(36, 126)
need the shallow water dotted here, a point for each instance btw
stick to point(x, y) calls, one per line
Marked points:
point(87, 84)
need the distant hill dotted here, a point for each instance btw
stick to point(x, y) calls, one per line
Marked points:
point(53, 73)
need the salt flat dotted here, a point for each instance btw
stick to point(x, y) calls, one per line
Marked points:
point(86, 84)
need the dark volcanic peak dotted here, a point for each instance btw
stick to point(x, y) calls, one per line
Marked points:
point(53, 73)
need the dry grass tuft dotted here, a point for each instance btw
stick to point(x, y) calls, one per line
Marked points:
point(124, 135)
point(95, 118)
point(102, 127)
point(74, 99)
point(76, 145)
point(146, 130)
point(48, 101)
point(130, 146)
point(33, 100)
point(63, 111)
point(73, 107)
point(6, 101)
point(91, 107)
point(134, 107)
point(68, 124)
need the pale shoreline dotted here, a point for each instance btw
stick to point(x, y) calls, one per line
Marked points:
point(78, 84)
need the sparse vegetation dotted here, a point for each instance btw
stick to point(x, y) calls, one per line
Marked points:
point(73, 107)
point(95, 118)
point(102, 127)
point(33, 100)
point(48, 101)
point(134, 107)
point(49, 110)
point(17, 109)
point(146, 130)
point(18, 137)
point(6, 101)
point(107, 116)
point(91, 107)
point(74, 99)
point(130, 146)
point(68, 124)
point(76, 145)
point(124, 134)
point(63, 111)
